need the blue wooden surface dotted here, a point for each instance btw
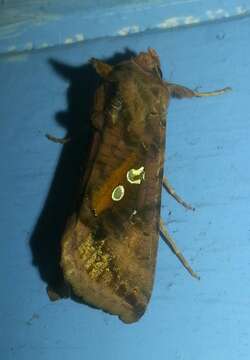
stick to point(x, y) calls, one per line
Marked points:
point(37, 24)
point(207, 161)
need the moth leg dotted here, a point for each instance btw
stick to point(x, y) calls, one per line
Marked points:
point(179, 92)
point(58, 140)
point(170, 242)
point(172, 192)
point(61, 291)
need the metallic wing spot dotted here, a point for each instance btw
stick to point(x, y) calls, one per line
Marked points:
point(131, 216)
point(116, 104)
point(118, 193)
point(136, 176)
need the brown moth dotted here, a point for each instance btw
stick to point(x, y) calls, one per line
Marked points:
point(109, 247)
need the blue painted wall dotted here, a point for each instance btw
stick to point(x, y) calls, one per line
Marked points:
point(50, 90)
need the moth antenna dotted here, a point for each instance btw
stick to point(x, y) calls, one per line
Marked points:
point(103, 69)
point(166, 184)
point(171, 243)
point(180, 92)
point(213, 93)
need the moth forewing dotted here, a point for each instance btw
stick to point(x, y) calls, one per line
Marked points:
point(109, 247)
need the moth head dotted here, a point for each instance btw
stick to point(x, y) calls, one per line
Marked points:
point(149, 61)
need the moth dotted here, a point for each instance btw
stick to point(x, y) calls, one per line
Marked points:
point(109, 247)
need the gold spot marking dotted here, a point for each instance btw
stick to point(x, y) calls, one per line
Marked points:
point(95, 259)
point(136, 176)
point(118, 193)
point(101, 199)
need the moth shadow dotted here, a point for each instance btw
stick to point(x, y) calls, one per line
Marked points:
point(62, 197)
